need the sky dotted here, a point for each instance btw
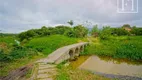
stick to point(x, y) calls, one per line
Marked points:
point(20, 15)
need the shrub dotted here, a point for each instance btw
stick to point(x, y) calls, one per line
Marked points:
point(129, 51)
point(119, 31)
point(17, 53)
point(105, 33)
point(136, 31)
point(80, 31)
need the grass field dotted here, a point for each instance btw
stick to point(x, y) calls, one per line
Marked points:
point(125, 47)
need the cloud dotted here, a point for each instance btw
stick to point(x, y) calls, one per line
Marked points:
point(17, 15)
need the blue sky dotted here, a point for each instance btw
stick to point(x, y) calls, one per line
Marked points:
point(20, 15)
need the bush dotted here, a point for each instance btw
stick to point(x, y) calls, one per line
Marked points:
point(136, 31)
point(119, 32)
point(17, 53)
point(80, 31)
point(125, 47)
point(70, 33)
point(129, 51)
point(105, 33)
point(77, 31)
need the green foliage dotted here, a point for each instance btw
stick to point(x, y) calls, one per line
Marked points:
point(62, 29)
point(105, 33)
point(70, 33)
point(17, 53)
point(50, 43)
point(129, 51)
point(119, 31)
point(77, 31)
point(128, 47)
point(80, 31)
point(136, 31)
point(44, 31)
point(126, 26)
point(95, 29)
point(8, 39)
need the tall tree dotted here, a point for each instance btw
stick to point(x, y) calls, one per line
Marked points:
point(126, 26)
point(105, 33)
point(80, 31)
point(95, 29)
point(70, 22)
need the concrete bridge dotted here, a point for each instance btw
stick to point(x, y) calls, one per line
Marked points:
point(65, 53)
point(45, 68)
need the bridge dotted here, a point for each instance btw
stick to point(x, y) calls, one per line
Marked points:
point(64, 53)
point(45, 68)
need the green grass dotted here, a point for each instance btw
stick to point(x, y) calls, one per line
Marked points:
point(50, 43)
point(126, 47)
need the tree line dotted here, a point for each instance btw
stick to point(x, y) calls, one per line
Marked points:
point(76, 31)
point(80, 31)
point(107, 31)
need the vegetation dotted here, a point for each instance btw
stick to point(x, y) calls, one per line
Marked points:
point(123, 42)
point(124, 47)
point(77, 31)
point(105, 33)
point(50, 43)
point(125, 30)
point(94, 29)
point(11, 54)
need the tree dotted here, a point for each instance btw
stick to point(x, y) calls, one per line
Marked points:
point(23, 36)
point(70, 33)
point(61, 29)
point(95, 31)
point(80, 31)
point(105, 33)
point(136, 31)
point(119, 31)
point(126, 26)
point(70, 22)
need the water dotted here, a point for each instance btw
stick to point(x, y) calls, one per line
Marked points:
point(96, 64)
